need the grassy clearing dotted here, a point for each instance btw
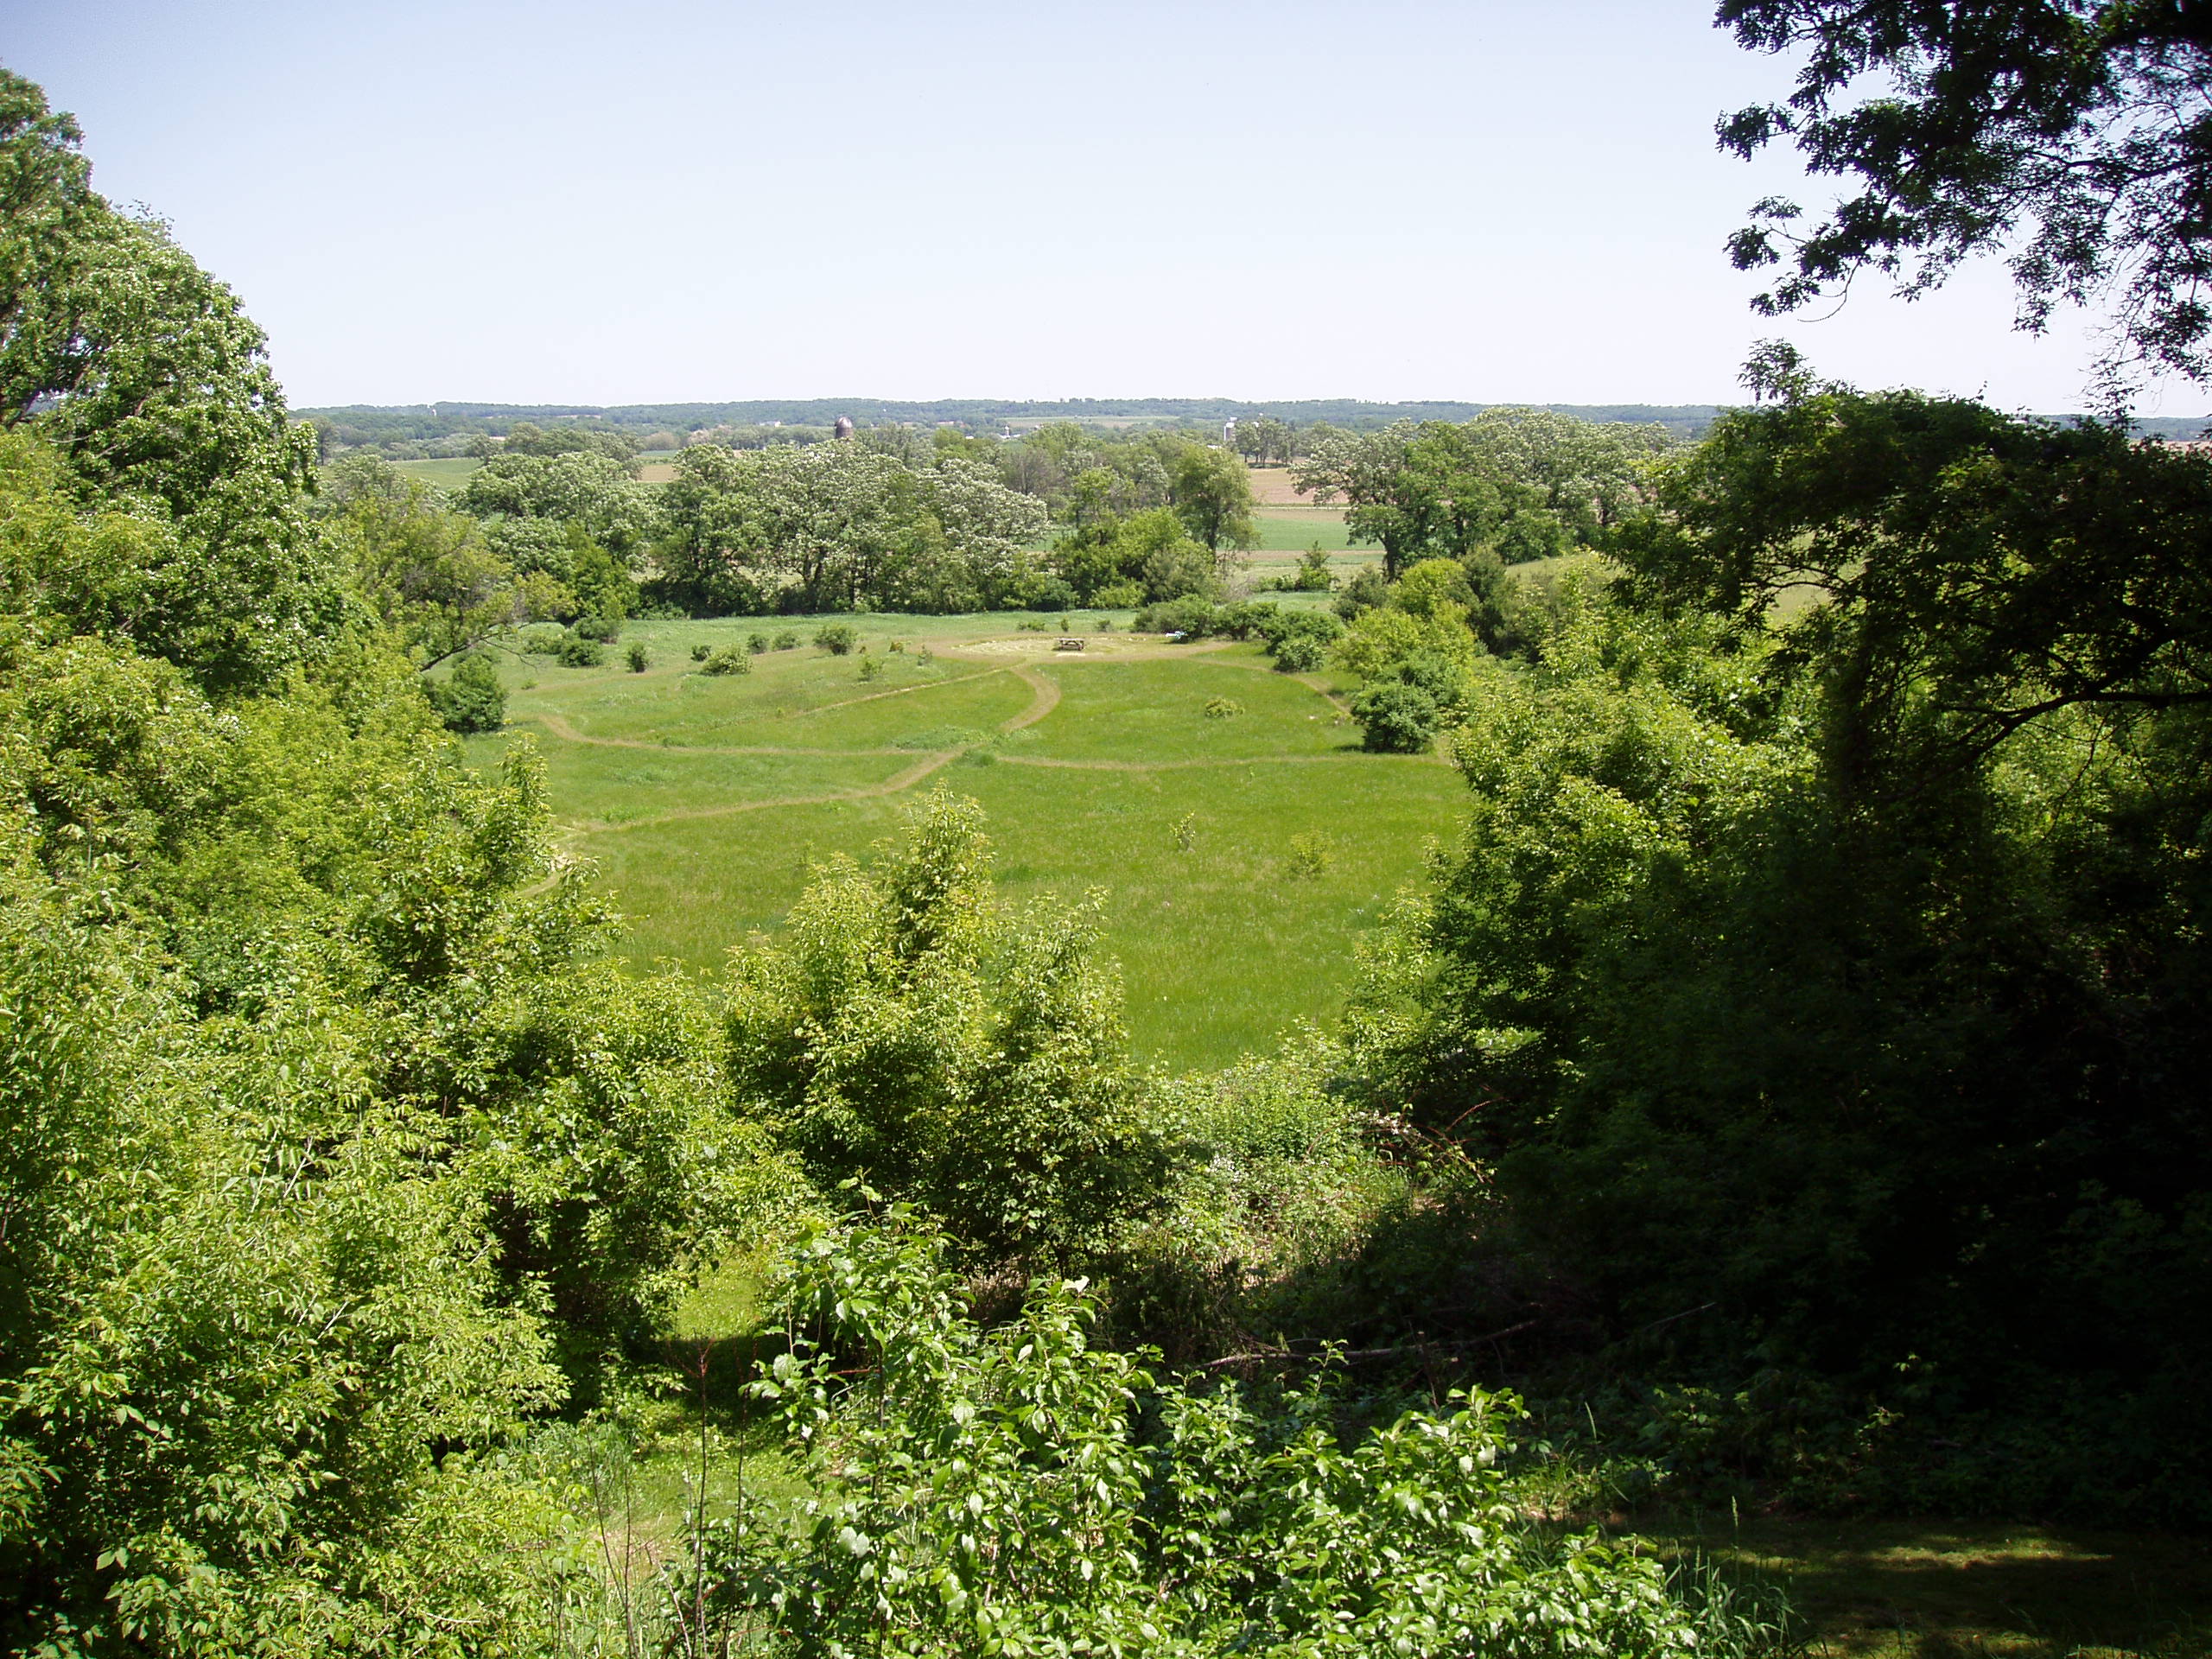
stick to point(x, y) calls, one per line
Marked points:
point(449, 474)
point(792, 704)
point(1156, 712)
point(603, 786)
point(1242, 856)
point(1296, 529)
point(1921, 1590)
point(1221, 946)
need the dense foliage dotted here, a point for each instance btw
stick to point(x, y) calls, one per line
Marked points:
point(843, 527)
point(1831, 993)
point(1800, 1042)
point(1518, 484)
point(909, 1033)
point(1018, 1490)
point(333, 1158)
point(2073, 135)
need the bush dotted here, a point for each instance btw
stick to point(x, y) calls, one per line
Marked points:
point(1028, 1483)
point(1246, 619)
point(471, 699)
point(837, 638)
point(729, 660)
point(1396, 718)
point(871, 669)
point(1118, 596)
point(699, 653)
point(579, 651)
point(1368, 589)
point(543, 642)
point(1047, 594)
point(757, 644)
point(604, 627)
point(908, 1028)
point(1193, 617)
point(1223, 709)
point(1310, 854)
point(787, 640)
point(637, 656)
point(1298, 640)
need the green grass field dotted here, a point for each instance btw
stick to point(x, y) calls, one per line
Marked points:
point(1241, 856)
point(448, 475)
point(1879, 1589)
point(1296, 529)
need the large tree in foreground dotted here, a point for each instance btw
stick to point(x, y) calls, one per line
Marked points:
point(2074, 135)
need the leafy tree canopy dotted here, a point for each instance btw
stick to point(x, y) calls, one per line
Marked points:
point(150, 385)
point(2075, 135)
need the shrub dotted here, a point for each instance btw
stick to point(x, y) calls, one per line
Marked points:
point(837, 638)
point(1396, 718)
point(1119, 596)
point(729, 660)
point(1298, 640)
point(543, 642)
point(1310, 853)
point(699, 653)
point(756, 643)
point(604, 627)
point(1193, 617)
point(637, 656)
point(579, 651)
point(1044, 592)
point(787, 640)
point(1312, 575)
point(871, 669)
point(471, 699)
point(1368, 590)
point(908, 1028)
point(1223, 709)
point(1026, 1484)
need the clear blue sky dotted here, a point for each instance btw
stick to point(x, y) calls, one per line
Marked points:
point(627, 204)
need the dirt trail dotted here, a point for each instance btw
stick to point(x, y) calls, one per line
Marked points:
point(568, 734)
point(1046, 699)
point(905, 778)
point(978, 650)
point(1360, 755)
point(904, 690)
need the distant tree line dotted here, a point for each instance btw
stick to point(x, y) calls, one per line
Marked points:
point(429, 431)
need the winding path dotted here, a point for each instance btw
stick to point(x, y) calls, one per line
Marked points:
point(1045, 697)
point(905, 778)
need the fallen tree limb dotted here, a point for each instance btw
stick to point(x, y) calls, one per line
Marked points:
point(1280, 1356)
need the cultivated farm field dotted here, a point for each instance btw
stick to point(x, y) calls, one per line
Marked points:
point(1240, 852)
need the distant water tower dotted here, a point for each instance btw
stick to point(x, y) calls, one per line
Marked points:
point(844, 426)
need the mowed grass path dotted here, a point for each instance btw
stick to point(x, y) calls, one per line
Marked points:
point(707, 802)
